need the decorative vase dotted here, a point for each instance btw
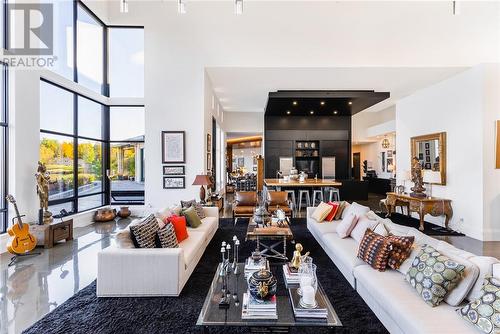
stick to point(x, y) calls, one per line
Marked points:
point(262, 285)
point(104, 215)
point(124, 212)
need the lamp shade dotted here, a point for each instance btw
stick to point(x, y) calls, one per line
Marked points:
point(431, 176)
point(201, 180)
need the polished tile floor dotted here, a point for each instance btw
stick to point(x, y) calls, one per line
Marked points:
point(35, 286)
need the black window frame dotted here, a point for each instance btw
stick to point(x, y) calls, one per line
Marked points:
point(76, 137)
point(4, 151)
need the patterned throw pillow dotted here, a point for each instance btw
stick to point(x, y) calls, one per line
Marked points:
point(401, 249)
point(433, 275)
point(197, 206)
point(143, 234)
point(165, 237)
point(374, 249)
point(484, 312)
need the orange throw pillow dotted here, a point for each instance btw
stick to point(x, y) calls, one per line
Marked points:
point(179, 224)
point(335, 207)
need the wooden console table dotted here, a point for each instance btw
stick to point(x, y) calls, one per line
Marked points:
point(48, 235)
point(433, 206)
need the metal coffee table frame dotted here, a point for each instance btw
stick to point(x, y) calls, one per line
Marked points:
point(275, 240)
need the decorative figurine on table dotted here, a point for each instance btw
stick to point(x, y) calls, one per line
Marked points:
point(297, 256)
point(418, 189)
point(281, 216)
point(42, 177)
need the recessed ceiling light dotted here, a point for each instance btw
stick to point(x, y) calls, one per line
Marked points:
point(288, 112)
point(350, 103)
point(322, 103)
point(294, 103)
point(335, 112)
point(311, 112)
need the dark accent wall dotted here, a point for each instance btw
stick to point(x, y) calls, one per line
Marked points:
point(333, 133)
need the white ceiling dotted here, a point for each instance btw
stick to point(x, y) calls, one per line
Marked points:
point(245, 89)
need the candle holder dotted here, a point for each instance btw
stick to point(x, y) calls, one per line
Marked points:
point(222, 252)
point(224, 300)
point(228, 249)
point(236, 267)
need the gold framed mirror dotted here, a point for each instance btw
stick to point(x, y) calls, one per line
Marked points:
point(430, 151)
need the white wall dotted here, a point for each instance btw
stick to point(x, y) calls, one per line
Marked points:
point(244, 121)
point(455, 106)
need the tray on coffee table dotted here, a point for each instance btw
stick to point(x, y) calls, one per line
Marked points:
point(211, 315)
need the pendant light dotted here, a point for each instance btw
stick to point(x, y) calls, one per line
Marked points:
point(123, 6)
point(181, 6)
point(238, 7)
point(386, 143)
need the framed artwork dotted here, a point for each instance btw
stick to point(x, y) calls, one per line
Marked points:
point(209, 142)
point(427, 152)
point(255, 168)
point(427, 159)
point(420, 156)
point(389, 154)
point(173, 147)
point(241, 162)
point(427, 165)
point(383, 161)
point(427, 146)
point(174, 170)
point(209, 161)
point(174, 182)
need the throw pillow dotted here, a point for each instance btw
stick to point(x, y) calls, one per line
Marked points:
point(333, 212)
point(321, 211)
point(192, 218)
point(179, 224)
point(346, 226)
point(401, 250)
point(357, 209)
point(374, 249)
point(433, 275)
point(362, 225)
point(483, 312)
point(380, 229)
point(197, 206)
point(342, 206)
point(166, 238)
point(143, 234)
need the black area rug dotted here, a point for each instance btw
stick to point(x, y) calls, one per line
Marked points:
point(429, 229)
point(85, 313)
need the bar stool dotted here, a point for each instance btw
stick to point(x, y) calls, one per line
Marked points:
point(291, 193)
point(307, 197)
point(319, 195)
point(334, 194)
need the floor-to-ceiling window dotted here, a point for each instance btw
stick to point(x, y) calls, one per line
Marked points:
point(72, 142)
point(94, 152)
point(4, 129)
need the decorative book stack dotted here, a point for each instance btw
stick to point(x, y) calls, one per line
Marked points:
point(252, 266)
point(291, 274)
point(319, 311)
point(258, 309)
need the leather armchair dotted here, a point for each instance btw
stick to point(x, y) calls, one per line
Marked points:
point(244, 204)
point(278, 200)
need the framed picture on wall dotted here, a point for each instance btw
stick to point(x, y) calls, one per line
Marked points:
point(389, 154)
point(427, 159)
point(174, 170)
point(427, 166)
point(383, 161)
point(427, 152)
point(241, 162)
point(174, 182)
point(209, 161)
point(420, 156)
point(209, 142)
point(427, 146)
point(173, 147)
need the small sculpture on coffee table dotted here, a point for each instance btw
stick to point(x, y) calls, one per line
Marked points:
point(297, 256)
point(416, 177)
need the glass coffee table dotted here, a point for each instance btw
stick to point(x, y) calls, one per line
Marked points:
point(213, 316)
point(270, 238)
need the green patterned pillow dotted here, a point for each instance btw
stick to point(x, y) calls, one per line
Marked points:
point(484, 312)
point(434, 275)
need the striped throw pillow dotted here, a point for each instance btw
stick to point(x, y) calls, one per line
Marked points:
point(165, 237)
point(375, 249)
point(143, 234)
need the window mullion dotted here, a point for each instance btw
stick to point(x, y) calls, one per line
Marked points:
point(75, 152)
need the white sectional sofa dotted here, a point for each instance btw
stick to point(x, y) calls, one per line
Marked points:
point(393, 300)
point(123, 270)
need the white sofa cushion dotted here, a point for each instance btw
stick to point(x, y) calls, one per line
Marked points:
point(362, 225)
point(470, 273)
point(346, 249)
point(347, 224)
point(323, 228)
point(192, 245)
point(402, 302)
point(356, 209)
point(208, 224)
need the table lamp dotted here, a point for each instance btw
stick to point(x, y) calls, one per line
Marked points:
point(202, 180)
point(431, 177)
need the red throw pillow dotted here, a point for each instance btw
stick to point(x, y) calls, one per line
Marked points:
point(179, 224)
point(335, 207)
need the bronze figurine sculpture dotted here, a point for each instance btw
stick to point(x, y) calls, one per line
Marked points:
point(42, 189)
point(416, 177)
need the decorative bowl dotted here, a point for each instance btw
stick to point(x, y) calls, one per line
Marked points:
point(262, 284)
